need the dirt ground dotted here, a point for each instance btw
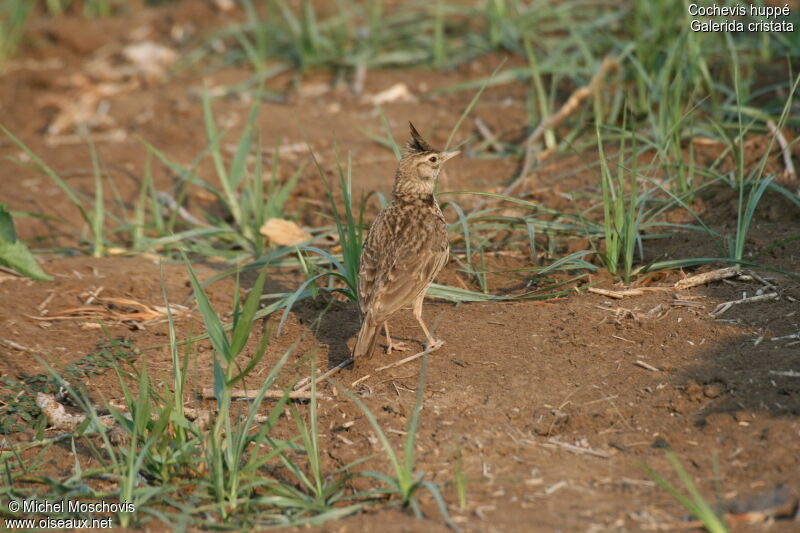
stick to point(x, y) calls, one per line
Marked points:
point(554, 405)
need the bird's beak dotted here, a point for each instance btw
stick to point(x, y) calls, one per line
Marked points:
point(449, 155)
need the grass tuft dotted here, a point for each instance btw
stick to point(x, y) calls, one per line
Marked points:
point(693, 502)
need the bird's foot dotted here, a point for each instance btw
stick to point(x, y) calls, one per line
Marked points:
point(434, 344)
point(396, 345)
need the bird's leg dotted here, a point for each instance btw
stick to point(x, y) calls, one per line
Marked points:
point(393, 345)
point(432, 343)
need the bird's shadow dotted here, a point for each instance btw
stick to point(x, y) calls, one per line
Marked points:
point(332, 323)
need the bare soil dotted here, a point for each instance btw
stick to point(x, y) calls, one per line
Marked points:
point(546, 401)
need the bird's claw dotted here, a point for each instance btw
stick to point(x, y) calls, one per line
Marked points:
point(435, 344)
point(396, 345)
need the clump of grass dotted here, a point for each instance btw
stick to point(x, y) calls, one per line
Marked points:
point(226, 463)
point(159, 223)
point(751, 185)
point(442, 34)
point(676, 70)
point(340, 271)
point(407, 481)
point(305, 40)
point(93, 214)
point(235, 471)
point(349, 228)
point(232, 474)
point(621, 212)
point(694, 502)
point(241, 192)
point(316, 492)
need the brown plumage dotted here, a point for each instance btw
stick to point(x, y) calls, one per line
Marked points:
point(405, 248)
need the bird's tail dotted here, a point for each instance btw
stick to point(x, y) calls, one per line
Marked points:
point(367, 339)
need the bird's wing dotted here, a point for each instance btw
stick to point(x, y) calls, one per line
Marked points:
point(370, 263)
point(399, 263)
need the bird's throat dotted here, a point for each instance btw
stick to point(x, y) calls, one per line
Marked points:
point(415, 198)
point(413, 190)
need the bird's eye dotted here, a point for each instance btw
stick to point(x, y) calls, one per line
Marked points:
point(432, 159)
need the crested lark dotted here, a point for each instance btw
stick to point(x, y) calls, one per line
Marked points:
point(405, 248)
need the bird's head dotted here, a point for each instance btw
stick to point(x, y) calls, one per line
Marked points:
point(420, 165)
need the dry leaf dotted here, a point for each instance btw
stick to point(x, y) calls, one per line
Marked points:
point(149, 58)
point(283, 232)
point(399, 92)
point(224, 5)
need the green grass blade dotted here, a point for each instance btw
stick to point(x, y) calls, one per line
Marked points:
point(216, 332)
point(471, 104)
point(241, 331)
point(50, 173)
point(387, 446)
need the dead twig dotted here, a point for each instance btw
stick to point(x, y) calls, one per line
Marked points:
point(43, 305)
point(240, 394)
point(707, 277)
point(618, 295)
point(359, 79)
point(488, 136)
point(785, 373)
point(360, 380)
point(14, 345)
point(555, 487)
point(581, 450)
point(409, 358)
point(723, 307)
point(570, 106)
point(115, 309)
point(170, 203)
point(646, 366)
point(685, 303)
point(116, 135)
point(792, 337)
point(763, 281)
point(785, 150)
point(305, 383)
point(401, 362)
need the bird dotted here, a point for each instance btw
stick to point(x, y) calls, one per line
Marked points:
point(405, 248)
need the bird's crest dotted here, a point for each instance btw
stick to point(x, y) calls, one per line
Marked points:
point(417, 144)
